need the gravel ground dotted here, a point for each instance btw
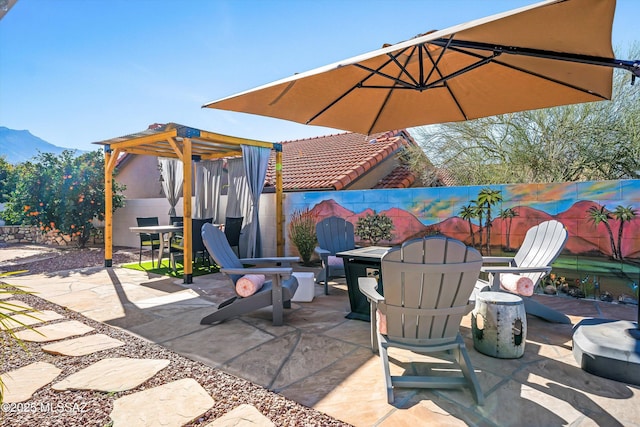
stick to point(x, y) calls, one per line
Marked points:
point(90, 408)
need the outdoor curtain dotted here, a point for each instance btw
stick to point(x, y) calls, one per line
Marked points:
point(256, 161)
point(172, 178)
point(246, 181)
point(208, 187)
point(238, 199)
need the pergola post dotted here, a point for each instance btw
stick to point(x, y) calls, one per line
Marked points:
point(279, 200)
point(186, 206)
point(108, 207)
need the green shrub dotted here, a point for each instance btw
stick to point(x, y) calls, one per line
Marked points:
point(374, 228)
point(302, 232)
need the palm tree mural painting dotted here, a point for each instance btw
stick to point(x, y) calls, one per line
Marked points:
point(623, 215)
point(478, 214)
point(604, 216)
point(508, 214)
point(468, 213)
point(486, 199)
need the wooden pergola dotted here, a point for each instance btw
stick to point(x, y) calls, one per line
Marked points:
point(187, 144)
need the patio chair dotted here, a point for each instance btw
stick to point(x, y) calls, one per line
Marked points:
point(148, 240)
point(233, 229)
point(197, 246)
point(427, 285)
point(276, 292)
point(334, 235)
point(541, 246)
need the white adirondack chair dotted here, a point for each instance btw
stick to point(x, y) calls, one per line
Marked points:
point(541, 246)
point(427, 285)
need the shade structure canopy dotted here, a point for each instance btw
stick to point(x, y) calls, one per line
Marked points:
point(551, 53)
point(186, 144)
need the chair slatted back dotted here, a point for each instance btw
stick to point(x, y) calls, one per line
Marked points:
point(335, 234)
point(218, 247)
point(232, 229)
point(145, 222)
point(541, 246)
point(427, 285)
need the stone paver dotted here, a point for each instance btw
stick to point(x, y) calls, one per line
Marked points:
point(242, 416)
point(54, 332)
point(82, 346)
point(14, 307)
point(115, 374)
point(20, 384)
point(28, 319)
point(172, 404)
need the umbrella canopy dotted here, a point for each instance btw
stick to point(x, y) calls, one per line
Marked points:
point(551, 53)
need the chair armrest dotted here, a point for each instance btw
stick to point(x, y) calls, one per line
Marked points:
point(321, 251)
point(274, 260)
point(368, 286)
point(515, 270)
point(497, 259)
point(284, 271)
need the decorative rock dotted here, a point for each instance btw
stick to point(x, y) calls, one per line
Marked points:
point(54, 332)
point(14, 307)
point(29, 319)
point(243, 415)
point(606, 296)
point(109, 375)
point(82, 346)
point(172, 404)
point(20, 384)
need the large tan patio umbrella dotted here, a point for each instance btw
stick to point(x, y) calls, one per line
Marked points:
point(551, 53)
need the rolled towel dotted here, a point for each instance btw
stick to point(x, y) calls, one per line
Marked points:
point(335, 261)
point(249, 284)
point(517, 284)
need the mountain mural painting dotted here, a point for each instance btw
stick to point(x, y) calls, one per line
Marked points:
point(584, 237)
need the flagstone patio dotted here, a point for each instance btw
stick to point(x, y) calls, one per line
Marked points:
point(323, 360)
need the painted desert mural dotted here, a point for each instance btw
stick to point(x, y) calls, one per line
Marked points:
point(602, 254)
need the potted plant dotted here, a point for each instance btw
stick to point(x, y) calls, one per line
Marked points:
point(302, 232)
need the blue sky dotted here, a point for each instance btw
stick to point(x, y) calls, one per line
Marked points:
point(77, 71)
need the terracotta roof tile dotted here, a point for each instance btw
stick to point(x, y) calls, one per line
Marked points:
point(334, 161)
point(400, 177)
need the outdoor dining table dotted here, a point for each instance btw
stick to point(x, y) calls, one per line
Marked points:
point(163, 230)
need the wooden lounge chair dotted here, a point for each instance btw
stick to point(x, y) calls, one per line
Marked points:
point(541, 246)
point(334, 235)
point(277, 292)
point(427, 285)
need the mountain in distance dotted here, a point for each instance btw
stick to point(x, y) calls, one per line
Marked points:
point(19, 146)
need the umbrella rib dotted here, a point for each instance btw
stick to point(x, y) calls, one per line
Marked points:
point(437, 70)
point(437, 61)
point(551, 79)
point(522, 70)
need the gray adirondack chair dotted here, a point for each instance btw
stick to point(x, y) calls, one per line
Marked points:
point(334, 235)
point(427, 285)
point(277, 292)
point(541, 246)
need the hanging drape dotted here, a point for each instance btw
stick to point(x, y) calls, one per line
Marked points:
point(256, 161)
point(238, 198)
point(172, 178)
point(207, 191)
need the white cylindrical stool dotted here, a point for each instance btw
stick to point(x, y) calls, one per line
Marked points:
point(499, 325)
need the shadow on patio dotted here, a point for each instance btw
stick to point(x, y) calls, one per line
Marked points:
point(323, 360)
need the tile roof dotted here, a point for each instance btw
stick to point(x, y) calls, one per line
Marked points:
point(333, 162)
point(400, 177)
